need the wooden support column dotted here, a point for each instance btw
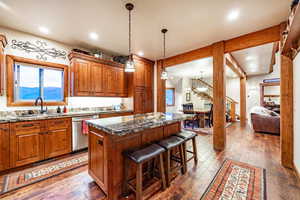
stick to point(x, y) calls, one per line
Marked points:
point(243, 114)
point(286, 112)
point(232, 111)
point(219, 96)
point(161, 89)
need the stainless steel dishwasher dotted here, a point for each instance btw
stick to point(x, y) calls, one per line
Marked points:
point(79, 140)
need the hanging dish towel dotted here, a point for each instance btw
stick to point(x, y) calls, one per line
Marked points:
point(85, 128)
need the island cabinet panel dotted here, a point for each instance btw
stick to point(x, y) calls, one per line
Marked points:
point(91, 76)
point(4, 146)
point(58, 138)
point(98, 161)
point(172, 129)
point(26, 143)
point(38, 140)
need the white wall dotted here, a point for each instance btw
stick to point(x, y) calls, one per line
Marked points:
point(296, 112)
point(233, 91)
point(253, 88)
point(73, 101)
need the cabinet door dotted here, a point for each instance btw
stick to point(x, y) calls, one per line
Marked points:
point(97, 79)
point(109, 80)
point(120, 83)
point(26, 143)
point(98, 159)
point(148, 75)
point(58, 139)
point(139, 100)
point(149, 106)
point(2, 64)
point(139, 74)
point(82, 79)
point(4, 146)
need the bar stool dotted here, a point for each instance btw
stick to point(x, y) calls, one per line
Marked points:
point(139, 157)
point(169, 144)
point(187, 136)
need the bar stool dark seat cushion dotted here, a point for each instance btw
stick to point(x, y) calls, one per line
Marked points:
point(171, 142)
point(186, 135)
point(144, 154)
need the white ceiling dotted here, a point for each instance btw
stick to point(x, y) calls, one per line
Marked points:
point(255, 60)
point(191, 23)
point(193, 69)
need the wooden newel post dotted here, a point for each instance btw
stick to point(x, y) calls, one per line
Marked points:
point(243, 114)
point(232, 111)
point(219, 96)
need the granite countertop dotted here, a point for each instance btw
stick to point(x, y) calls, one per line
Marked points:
point(134, 123)
point(58, 115)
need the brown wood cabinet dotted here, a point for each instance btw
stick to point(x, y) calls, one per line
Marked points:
point(38, 140)
point(91, 76)
point(4, 146)
point(143, 85)
point(3, 43)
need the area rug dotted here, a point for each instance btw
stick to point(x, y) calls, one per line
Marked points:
point(44, 171)
point(237, 181)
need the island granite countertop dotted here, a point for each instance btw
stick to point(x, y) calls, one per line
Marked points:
point(135, 123)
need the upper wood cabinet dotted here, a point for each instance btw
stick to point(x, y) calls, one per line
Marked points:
point(91, 76)
point(142, 89)
point(3, 43)
point(4, 146)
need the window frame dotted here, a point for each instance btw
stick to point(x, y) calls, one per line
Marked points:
point(10, 63)
point(172, 97)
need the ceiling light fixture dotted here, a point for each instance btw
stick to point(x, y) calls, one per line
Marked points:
point(233, 15)
point(44, 30)
point(94, 36)
point(129, 66)
point(248, 58)
point(164, 73)
point(140, 53)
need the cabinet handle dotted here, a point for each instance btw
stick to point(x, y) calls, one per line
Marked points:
point(100, 142)
point(44, 133)
point(27, 125)
point(4, 129)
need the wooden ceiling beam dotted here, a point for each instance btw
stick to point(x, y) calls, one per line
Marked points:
point(235, 66)
point(273, 58)
point(257, 38)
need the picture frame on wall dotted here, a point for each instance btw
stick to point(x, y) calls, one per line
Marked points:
point(188, 97)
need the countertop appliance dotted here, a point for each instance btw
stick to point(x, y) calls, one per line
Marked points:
point(79, 140)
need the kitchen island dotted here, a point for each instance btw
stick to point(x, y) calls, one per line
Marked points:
point(110, 137)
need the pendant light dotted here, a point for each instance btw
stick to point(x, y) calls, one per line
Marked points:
point(164, 73)
point(129, 66)
point(203, 88)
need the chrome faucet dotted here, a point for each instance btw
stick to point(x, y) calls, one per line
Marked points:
point(42, 104)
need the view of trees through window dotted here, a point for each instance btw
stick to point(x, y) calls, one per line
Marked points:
point(33, 81)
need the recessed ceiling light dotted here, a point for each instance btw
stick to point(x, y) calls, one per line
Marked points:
point(140, 53)
point(233, 15)
point(249, 58)
point(4, 6)
point(44, 30)
point(93, 35)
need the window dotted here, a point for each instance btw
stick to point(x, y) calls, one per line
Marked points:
point(29, 79)
point(37, 81)
point(170, 96)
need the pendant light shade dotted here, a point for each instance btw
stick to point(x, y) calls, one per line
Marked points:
point(164, 73)
point(129, 65)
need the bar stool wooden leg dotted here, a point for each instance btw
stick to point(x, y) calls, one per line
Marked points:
point(182, 160)
point(185, 156)
point(162, 171)
point(195, 150)
point(139, 182)
point(126, 168)
point(168, 168)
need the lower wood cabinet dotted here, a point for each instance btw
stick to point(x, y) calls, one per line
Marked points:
point(4, 146)
point(38, 140)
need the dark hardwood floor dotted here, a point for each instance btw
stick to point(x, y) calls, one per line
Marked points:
point(242, 145)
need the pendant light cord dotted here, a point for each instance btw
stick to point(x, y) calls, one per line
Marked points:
point(129, 33)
